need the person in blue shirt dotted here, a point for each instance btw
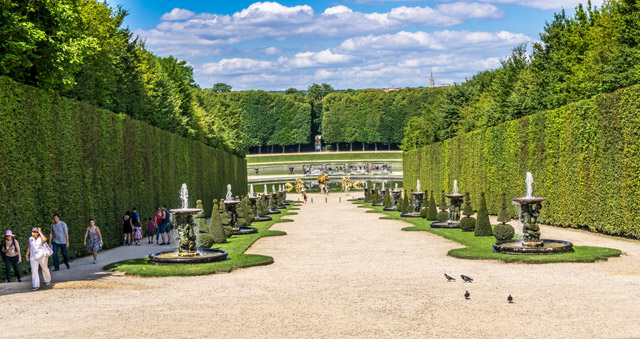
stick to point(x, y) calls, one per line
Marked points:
point(59, 235)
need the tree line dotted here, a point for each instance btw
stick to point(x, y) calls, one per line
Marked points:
point(594, 51)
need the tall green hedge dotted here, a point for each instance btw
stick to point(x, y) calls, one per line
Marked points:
point(584, 157)
point(62, 156)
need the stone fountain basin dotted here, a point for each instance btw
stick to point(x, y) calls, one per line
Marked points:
point(410, 215)
point(417, 193)
point(186, 211)
point(445, 224)
point(455, 196)
point(231, 202)
point(242, 230)
point(171, 257)
point(532, 200)
point(550, 246)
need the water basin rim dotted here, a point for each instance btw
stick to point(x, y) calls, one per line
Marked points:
point(417, 193)
point(530, 200)
point(455, 196)
point(185, 210)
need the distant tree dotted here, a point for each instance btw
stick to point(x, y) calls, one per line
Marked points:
point(221, 87)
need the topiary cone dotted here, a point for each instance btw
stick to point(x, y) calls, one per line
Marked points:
point(468, 209)
point(215, 228)
point(443, 203)
point(504, 216)
point(432, 213)
point(387, 198)
point(483, 224)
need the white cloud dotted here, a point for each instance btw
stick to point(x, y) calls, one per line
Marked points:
point(186, 30)
point(177, 14)
point(401, 59)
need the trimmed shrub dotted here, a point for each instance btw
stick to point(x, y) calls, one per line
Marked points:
point(201, 221)
point(387, 198)
point(468, 210)
point(468, 224)
point(504, 216)
point(423, 212)
point(483, 225)
point(215, 227)
point(443, 216)
point(71, 158)
point(205, 240)
point(443, 203)
point(503, 232)
point(376, 197)
point(582, 154)
point(432, 213)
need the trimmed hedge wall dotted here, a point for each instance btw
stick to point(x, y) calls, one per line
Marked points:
point(62, 156)
point(584, 157)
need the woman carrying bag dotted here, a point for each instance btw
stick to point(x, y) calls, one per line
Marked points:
point(37, 256)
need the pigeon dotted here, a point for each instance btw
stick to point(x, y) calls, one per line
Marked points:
point(510, 299)
point(449, 278)
point(465, 278)
point(466, 295)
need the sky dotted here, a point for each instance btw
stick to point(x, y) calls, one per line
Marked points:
point(348, 44)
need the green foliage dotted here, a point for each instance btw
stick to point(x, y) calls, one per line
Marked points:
point(424, 212)
point(406, 203)
point(503, 232)
point(376, 196)
point(480, 247)
point(483, 225)
point(443, 202)
point(62, 156)
point(387, 198)
point(468, 209)
point(584, 158)
point(216, 229)
point(504, 216)
point(221, 87)
point(468, 224)
point(442, 216)
point(432, 214)
point(594, 51)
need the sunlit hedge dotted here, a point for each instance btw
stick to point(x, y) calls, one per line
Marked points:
point(61, 156)
point(584, 157)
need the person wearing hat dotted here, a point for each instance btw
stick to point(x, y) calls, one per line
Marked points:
point(11, 255)
point(36, 255)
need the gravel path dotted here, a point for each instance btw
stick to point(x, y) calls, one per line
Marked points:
point(341, 272)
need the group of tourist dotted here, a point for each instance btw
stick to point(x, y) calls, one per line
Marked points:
point(39, 251)
point(158, 225)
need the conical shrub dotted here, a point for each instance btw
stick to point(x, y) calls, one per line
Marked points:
point(432, 213)
point(215, 228)
point(387, 198)
point(504, 216)
point(483, 224)
point(468, 209)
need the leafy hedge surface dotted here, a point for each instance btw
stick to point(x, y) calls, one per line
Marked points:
point(61, 156)
point(584, 157)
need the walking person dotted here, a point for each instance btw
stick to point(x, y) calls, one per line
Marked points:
point(304, 195)
point(165, 227)
point(137, 229)
point(60, 236)
point(36, 255)
point(158, 219)
point(95, 240)
point(11, 255)
point(127, 228)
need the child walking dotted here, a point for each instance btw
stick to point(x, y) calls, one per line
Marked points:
point(137, 234)
point(151, 229)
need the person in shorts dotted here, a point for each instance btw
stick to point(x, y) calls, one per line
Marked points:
point(165, 227)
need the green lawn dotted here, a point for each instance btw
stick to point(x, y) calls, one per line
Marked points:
point(323, 156)
point(235, 246)
point(481, 247)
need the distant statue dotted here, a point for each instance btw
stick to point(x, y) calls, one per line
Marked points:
point(318, 145)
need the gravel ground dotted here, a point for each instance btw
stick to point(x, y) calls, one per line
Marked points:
point(341, 272)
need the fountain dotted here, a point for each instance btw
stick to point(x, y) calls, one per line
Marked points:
point(231, 208)
point(381, 193)
point(531, 243)
point(187, 253)
point(395, 198)
point(418, 198)
point(454, 209)
point(270, 201)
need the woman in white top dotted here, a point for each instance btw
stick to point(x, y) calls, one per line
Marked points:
point(36, 256)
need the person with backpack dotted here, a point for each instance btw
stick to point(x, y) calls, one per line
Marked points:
point(11, 255)
point(165, 227)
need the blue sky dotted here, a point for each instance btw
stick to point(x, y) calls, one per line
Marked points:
point(348, 44)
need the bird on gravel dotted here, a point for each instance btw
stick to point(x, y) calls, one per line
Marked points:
point(449, 278)
point(466, 295)
point(510, 299)
point(465, 278)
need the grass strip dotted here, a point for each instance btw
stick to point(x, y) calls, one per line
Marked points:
point(324, 156)
point(235, 246)
point(482, 247)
